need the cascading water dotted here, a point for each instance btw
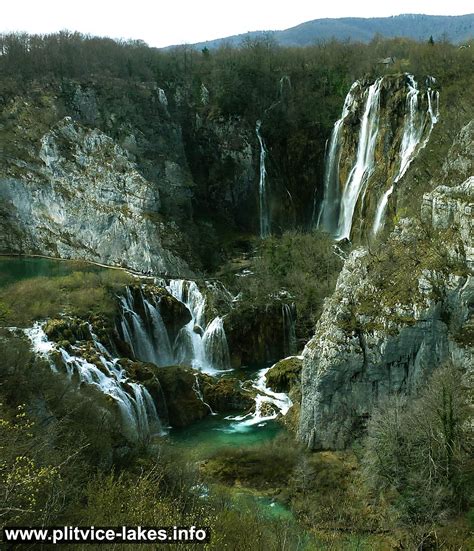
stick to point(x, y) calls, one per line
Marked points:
point(147, 337)
point(329, 212)
point(216, 349)
point(413, 130)
point(162, 97)
point(364, 163)
point(198, 392)
point(138, 413)
point(204, 347)
point(268, 405)
point(340, 199)
point(289, 333)
point(264, 214)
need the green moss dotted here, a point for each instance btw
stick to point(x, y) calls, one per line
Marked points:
point(80, 294)
point(285, 374)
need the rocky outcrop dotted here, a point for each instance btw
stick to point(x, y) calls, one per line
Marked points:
point(396, 315)
point(459, 162)
point(453, 207)
point(84, 199)
point(191, 395)
point(285, 374)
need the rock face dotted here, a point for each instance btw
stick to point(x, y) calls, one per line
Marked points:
point(222, 162)
point(460, 160)
point(395, 315)
point(85, 199)
point(134, 177)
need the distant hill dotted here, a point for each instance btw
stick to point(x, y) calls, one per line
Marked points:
point(456, 29)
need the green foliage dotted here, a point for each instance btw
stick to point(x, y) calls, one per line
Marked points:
point(78, 294)
point(303, 264)
point(261, 467)
point(419, 453)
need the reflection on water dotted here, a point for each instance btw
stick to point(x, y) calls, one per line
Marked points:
point(13, 269)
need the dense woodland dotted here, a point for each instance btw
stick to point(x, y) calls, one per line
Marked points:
point(397, 488)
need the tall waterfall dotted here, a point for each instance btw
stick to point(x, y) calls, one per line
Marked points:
point(289, 333)
point(329, 211)
point(343, 196)
point(203, 346)
point(264, 212)
point(138, 412)
point(364, 163)
point(413, 130)
point(146, 334)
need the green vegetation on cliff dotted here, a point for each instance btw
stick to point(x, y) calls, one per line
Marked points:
point(81, 293)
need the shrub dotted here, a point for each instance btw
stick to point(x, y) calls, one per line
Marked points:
point(419, 450)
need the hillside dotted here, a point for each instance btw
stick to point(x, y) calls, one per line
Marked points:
point(456, 29)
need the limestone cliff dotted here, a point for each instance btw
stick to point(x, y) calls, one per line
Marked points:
point(128, 175)
point(397, 313)
point(82, 198)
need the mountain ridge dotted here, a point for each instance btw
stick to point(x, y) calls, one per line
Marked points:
point(456, 28)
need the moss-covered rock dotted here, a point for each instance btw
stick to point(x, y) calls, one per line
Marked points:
point(227, 394)
point(181, 395)
point(66, 329)
point(285, 374)
point(174, 313)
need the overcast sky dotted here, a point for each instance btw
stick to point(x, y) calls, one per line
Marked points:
point(165, 22)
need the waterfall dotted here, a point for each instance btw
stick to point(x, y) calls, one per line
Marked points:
point(413, 130)
point(364, 164)
point(215, 344)
point(284, 81)
point(329, 212)
point(147, 337)
point(198, 392)
point(268, 404)
point(162, 97)
point(262, 187)
point(137, 410)
point(203, 346)
point(162, 349)
point(289, 333)
point(379, 214)
point(341, 198)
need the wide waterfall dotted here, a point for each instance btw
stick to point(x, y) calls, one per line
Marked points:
point(202, 346)
point(138, 413)
point(413, 130)
point(341, 198)
point(264, 212)
point(146, 334)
